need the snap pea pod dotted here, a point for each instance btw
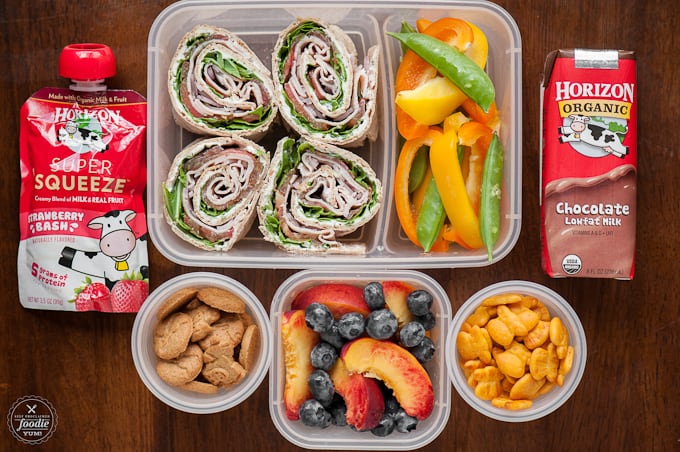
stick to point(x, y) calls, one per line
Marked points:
point(452, 64)
point(431, 216)
point(490, 198)
point(418, 168)
point(406, 28)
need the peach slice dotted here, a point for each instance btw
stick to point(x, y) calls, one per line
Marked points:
point(298, 342)
point(362, 395)
point(338, 297)
point(397, 368)
point(396, 294)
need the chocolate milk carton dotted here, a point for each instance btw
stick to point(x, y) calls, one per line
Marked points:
point(589, 164)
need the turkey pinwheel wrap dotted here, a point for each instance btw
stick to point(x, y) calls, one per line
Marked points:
point(218, 86)
point(321, 89)
point(316, 193)
point(212, 189)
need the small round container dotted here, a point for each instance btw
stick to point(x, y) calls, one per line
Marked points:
point(145, 358)
point(345, 438)
point(542, 405)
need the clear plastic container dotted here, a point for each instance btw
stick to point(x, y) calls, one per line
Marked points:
point(258, 23)
point(145, 358)
point(345, 438)
point(545, 404)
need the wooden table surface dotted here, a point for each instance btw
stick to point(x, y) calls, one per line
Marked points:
point(629, 397)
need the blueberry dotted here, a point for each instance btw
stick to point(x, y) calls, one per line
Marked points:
point(321, 386)
point(351, 325)
point(374, 295)
point(313, 414)
point(423, 351)
point(428, 320)
point(338, 410)
point(381, 324)
point(323, 355)
point(392, 406)
point(332, 336)
point(411, 334)
point(404, 423)
point(419, 302)
point(318, 317)
point(384, 427)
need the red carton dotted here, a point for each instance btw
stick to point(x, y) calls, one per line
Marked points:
point(589, 164)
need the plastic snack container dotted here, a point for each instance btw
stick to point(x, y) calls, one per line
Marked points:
point(145, 359)
point(345, 438)
point(545, 404)
point(258, 23)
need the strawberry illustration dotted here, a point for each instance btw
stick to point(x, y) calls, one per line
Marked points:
point(92, 296)
point(128, 294)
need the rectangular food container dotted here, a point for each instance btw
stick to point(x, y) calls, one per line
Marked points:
point(258, 23)
point(345, 438)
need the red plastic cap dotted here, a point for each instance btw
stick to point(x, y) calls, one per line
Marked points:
point(87, 62)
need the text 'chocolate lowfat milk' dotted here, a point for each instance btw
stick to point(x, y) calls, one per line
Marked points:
point(589, 164)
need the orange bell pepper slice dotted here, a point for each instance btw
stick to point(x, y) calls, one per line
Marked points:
point(479, 115)
point(406, 210)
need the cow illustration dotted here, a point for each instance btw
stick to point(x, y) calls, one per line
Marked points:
point(581, 130)
point(118, 246)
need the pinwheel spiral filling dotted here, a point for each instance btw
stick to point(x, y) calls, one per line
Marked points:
point(214, 85)
point(217, 181)
point(322, 190)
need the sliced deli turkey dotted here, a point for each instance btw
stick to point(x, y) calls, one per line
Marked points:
point(321, 88)
point(315, 194)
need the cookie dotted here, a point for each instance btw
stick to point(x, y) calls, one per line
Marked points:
point(202, 316)
point(221, 299)
point(226, 331)
point(249, 347)
point(223, 371)
point(176, 301)
point(215, 352)
point(183, 369)
point(171, 336)
point(200, 387)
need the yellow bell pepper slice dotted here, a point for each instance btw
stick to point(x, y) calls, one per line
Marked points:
point(451, 185)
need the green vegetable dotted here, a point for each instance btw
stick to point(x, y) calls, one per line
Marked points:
point(406, 28)
point(431, 216)
point(490, 201)
point(418, 168)
point(452, 64)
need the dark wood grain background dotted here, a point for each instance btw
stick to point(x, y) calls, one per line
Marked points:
point(629, 397)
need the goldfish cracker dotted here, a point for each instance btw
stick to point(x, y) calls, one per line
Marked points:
point(500, 332)
point(487, 382)
point(513, 321)
point(520, 350)
point(510, 364)
point(528, 317)
point(538, 335)
point(526, 387)
point(500, 299)
point(480, 317)
point(542, 312)
point(475, 344)
point(510, 404)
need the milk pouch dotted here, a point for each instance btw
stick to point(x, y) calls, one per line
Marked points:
point(83, 174)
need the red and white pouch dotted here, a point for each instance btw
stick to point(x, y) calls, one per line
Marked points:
point(83, 174)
